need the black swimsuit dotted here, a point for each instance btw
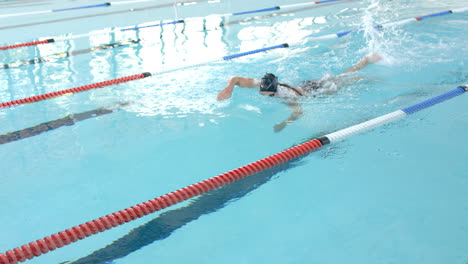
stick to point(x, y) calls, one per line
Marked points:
point(307, 87)
point(310, 85)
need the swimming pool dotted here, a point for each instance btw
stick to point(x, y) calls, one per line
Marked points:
point(393, 195)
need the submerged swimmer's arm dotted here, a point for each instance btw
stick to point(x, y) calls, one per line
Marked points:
point(226, 93)
point(296, 113)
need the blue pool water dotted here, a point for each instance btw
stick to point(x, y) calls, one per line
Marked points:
point(397, 194)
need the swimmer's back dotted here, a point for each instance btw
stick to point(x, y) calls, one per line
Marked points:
point(310, 85)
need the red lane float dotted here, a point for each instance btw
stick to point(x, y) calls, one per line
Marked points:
point(33, 43)
point(58, 240)
point(79, 89)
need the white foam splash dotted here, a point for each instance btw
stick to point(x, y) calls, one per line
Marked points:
point(250, 108)
point(384, 42)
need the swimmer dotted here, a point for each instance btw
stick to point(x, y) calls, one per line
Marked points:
point(270, 86)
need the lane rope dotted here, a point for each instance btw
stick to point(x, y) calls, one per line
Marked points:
point(71, 235)
point(106, 4)
point(53, 10)
point(68, 54)
point(178, 21)
point(78, 89)
point(188, 2)
point(390, 24)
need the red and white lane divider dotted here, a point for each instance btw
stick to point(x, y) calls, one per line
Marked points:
point(47, 96)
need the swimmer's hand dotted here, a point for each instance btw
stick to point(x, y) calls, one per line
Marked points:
point(296, 113)
point(226, 93)
point(279, 127)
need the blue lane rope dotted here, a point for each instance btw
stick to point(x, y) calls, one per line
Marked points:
point(81, 7)
point(233, 56)
point(225, 58)
point(390, 117)
point(106, 4)
point(274, 8)
point(430, 102)
point(344, 33)
point(434, 15)
point(155, 25)
point(257, 11)
point(326, 1)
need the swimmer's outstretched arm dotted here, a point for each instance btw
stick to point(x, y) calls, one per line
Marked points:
point(296, 113)
point(226, 93)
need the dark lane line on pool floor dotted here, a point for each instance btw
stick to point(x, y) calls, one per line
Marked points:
point(168, 222)
point(54, 124)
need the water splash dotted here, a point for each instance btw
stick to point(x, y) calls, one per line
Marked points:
point(398, 45)
point(378, 40)
point(372, 35)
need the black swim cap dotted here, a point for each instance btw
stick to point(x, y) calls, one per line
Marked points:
point(269, 83)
